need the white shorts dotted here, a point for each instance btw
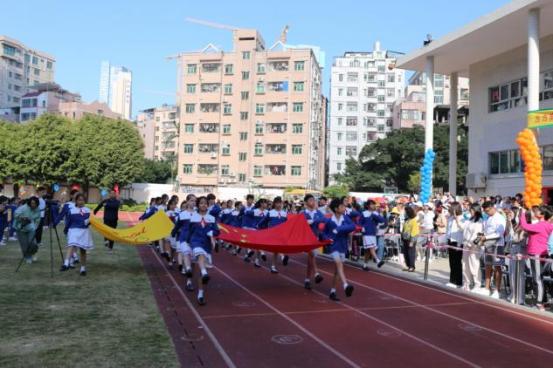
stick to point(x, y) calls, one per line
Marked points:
point(173, 242)
point(80, 237)
point(197, 251)
point(338, 256)
point(316, 251)
point(184, 248)
point(369, 242)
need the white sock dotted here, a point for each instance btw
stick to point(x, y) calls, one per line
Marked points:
point(377, 260)
point(365, 265)
point(200, 293)
point(307, 280)
point(204, 271)
point(83, 268)
point(333, 290)
point(66, 262)
point(345, 285)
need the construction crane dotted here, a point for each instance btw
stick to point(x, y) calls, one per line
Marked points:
point(211, 24)
point(283, 34)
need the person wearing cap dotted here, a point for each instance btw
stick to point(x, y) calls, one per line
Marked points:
point(426, 223)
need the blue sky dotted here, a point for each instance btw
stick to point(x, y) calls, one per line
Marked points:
point(140, 34)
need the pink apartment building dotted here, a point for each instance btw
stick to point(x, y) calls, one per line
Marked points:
point(76, 110)
point(250, 117)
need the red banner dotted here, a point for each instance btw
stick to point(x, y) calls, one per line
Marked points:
point(290, 237)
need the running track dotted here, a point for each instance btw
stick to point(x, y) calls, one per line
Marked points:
point(257, 319)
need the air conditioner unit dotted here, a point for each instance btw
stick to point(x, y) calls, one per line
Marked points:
point(213, 155)
point(476, 180)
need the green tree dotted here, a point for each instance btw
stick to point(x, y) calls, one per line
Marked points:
point(391, 161)
point(10, 151)
point(336, 191)
point(414, 184)
point(155, 171)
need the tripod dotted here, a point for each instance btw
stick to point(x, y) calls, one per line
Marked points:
point(49, 219)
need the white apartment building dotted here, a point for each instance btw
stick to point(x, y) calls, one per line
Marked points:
point(116, 88)
point(20, 68)
point(363, 88)
point(44, 98)
point(251, 117)
point(159, 129)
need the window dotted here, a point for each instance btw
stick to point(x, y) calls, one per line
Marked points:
point(297, 107)
point(353, 77)
point(225, 150)
point(381, 113)
point(210, 67)
point(208, 148)
point(338, 166)
point(380, 127)
point(411, 114)
point(390, 92)
point(244, 95)
point(227, 109)
point(351, 106)
point(275, 170)
point(547, 157)
point(278, 86)
point(339, 136)
point(277, 107)
point(187, 169)
point(37, 72)
point(381, 68)
point(259, 109)
point(188, 148)
point(351, 121)
point(391, 78)
point(207, 169)
point(246, 55)
point(351, 151)
point(228, 89)
point(224, 170)
point(381, 83)
point(297, 128)
point(340, 121)
point(275, 149)
point(226, 129)
point(243, 115)
point(242, 156)
point(258, 151)
point(299, 65)
point(260, 68)
point(338, 151)
point(351, 136)
point(352, 91)
point(257, 170)
point(9, 50)
point(190, 88)
point(340, 106)
point(259, 128)
point(245, 75)
point(341, 77)
point(295, 170)
point(505, 162)
point(278, 66)
point(381, 98)
point(229, 69)
point(298, 86)
point(241, 177)
point(340, 92)
point(297, 149)
point(189, 128)
point(509, 95)
point(243, 136)
point(35, 60)
point(260, 88)
point(211, 87)
point(276, 127)
point(368, 121)
point(210, 107)
point(190, 108)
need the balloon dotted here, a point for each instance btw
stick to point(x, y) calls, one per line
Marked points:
point(56, 187)
point(104, 192)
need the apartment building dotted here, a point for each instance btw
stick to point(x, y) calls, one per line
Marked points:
point(44, 98)
point(364, 86)
point(411, 109)
point(76, 110)
point(251, 117)
point(159, 129)
point(20, 68)
point(116, 88)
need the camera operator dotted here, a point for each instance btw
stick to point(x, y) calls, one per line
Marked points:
point(493, 240)
point(27, 221)
point(41, 191)
point(111, 207)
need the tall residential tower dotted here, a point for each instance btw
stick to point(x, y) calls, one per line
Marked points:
point(116, 88)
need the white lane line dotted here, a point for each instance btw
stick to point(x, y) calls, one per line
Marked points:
point(504, 335)
point(206, 329)
point(299, 326)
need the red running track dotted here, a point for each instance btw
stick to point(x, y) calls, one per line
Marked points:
point(257, 319)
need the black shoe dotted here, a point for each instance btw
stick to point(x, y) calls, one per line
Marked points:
point(83, 273)
point(318, 278)
point(349, 290)
point(180, 268)
point(307, 285)
point(77, 261)
point(366, 268)
point(201, 300)
point(189, 287)
point(188, 273)
point(64, 268)
point(333, 296)
point(263, 257)
point(71, 266)
point(256, 264)
point(205, 278)
point(250, 254)
point(247, 259)
point(285, 260)
point(238, 251)
point(216, 247)
point(380, 263)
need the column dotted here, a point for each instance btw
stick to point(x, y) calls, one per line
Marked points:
point(453, 92)
point(533, 59)
point(429, 124)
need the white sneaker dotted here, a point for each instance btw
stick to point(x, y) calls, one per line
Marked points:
point(35, 258)
point(494, 295)
point(418, 258)
point(451, 285)
point(481, 291)
point(13, 239)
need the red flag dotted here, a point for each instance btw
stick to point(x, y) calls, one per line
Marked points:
point(290, 237)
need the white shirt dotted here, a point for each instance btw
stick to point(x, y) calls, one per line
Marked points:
point(494, 227)
point(42, 207)
point(454, 232)
point(427, 220)
point(471, 231)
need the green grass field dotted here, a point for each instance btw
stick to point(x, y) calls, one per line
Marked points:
point(107, 319)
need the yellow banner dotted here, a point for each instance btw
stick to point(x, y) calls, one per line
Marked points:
point(540, 118)
point(155, 228)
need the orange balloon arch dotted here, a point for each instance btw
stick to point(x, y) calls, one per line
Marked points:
point(533, 167)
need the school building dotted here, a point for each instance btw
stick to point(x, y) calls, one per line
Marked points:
point(508, 57)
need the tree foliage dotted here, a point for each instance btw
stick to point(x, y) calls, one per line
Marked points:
point(393, 161)
point(336, 191)
point(92, 151)
point(156, 171)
